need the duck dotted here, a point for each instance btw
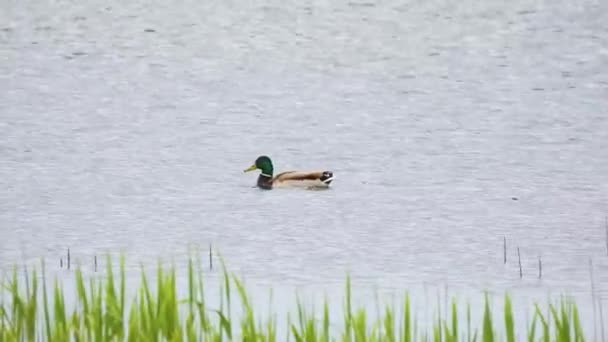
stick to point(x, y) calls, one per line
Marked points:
point(303, 179)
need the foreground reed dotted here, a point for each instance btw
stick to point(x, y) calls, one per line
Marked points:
point(29, 312)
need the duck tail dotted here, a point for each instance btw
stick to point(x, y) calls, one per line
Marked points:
point(327, 177)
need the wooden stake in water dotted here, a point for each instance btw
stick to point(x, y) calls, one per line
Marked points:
point(61, 262)
point(210, 258)
point(540, 268)
point(504, 249)
point(95, 262)
point(519, 260)
point(68, 258)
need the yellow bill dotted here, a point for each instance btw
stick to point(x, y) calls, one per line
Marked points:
point(251, 168)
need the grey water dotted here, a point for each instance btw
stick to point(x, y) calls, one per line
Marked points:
point(449, 126)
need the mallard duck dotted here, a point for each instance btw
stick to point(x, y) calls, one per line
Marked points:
point(306, 179)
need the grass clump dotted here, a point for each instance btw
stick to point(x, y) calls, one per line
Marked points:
point(29, 311)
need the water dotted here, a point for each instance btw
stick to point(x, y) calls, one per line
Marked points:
point(449, 126)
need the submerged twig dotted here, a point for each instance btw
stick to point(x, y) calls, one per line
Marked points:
point(68, 258)
point(519, 260)
point(504, 249)
point(540, 268)
point(210, 258)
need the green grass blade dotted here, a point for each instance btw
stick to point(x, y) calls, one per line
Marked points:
point(407, 321)
point(488, 331)
point(532, 329)
point(509, 325)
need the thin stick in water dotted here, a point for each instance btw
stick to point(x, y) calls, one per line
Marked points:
point(540, 268)
point(68, 258)
point(61, 262)
point(210, 258)
point(95, 262)
point(504, 249)
point(519, 260)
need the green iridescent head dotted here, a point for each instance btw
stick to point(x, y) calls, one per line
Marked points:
point(262, 163)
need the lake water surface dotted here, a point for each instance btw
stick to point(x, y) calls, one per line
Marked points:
point(125, 126)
